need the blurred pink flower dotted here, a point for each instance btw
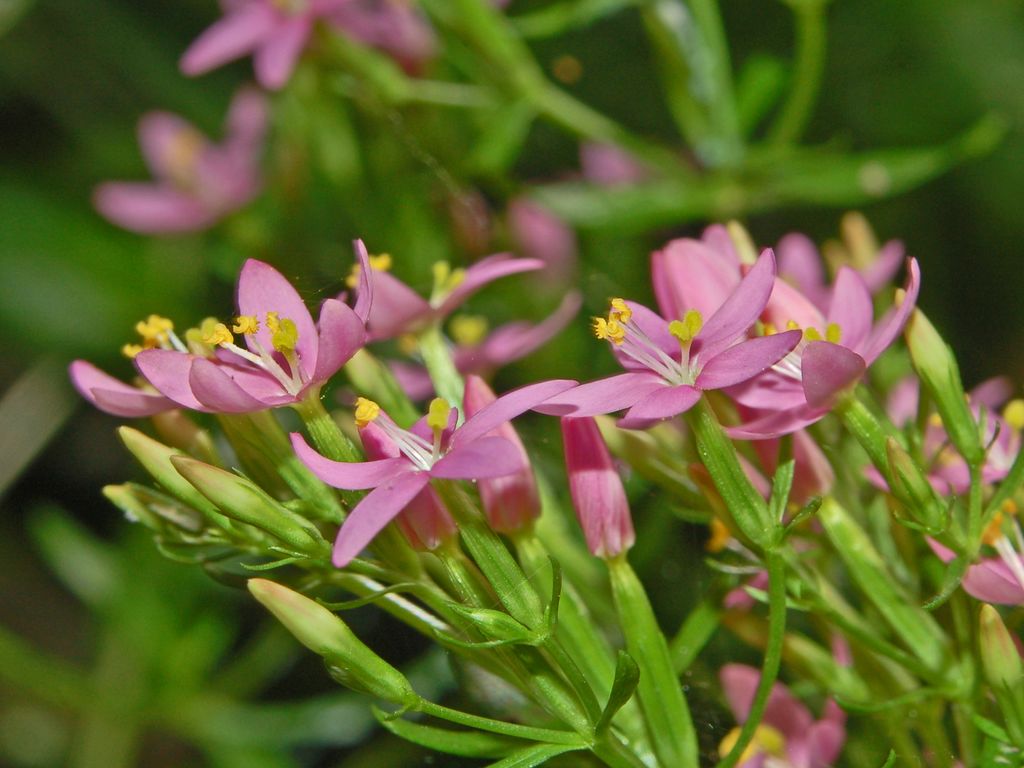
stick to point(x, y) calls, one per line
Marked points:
point(195, 182)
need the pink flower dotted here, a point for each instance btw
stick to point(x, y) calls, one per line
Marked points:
point(997, 579)
point(432, 449)
point(287, 356)
point(113, 396)
point(609, 166)
point(788, 734)
point(540, 234)
point(596, 488)
point(836, 350)
point(670, 364)
point(275, 32)
point(196, 182)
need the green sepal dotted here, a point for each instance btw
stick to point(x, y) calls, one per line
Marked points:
point(274, 565)
point(913, 625)
point(955, 571)
point(627, 677)
point(348, 605)
point(527, 757)
point(462, 743)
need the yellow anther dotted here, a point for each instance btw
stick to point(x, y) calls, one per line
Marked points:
point(767, 740)
point(446, 279)
point(437, 414)
point(181, 154)
point(812, 334)
point(620, 311)
point(1009, 506)
point(246, 324)
point(720, 536)
point(366, 411)
point(769, 329)
point(284, 336)
point(792, 325)
point(1014, 414)
point(899, 297)
point(833, 333)
point(131, 350)
point(218, 335)
point(935, 420)
point(994, 530)
point(468, 330)
point(379, 263)
point(408, 344)
point(154, 329)
point(610, 330)
point(686, 329)
point(205, 328)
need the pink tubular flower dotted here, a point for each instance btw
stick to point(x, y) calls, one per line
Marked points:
point(669, 364)
point(998, 579)
point(511, 502)
point(432, 449)
point(788, 736)
point(275, 32)
point(596, 488)
point(398, 309)
point(287, 355)
point(836, 350)
point(113, 396)
point(196, 182)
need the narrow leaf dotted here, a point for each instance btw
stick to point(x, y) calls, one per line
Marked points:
point(461, 743)
point(627, 676)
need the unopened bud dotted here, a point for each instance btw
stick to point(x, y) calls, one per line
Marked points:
point(242, 500)
point(511, 502)
point(596, 488)
point(496, 625)
point(999, 656)
point(154, 510)
point(349, 661)
point(935, 364)
point(177, 429)
point(910, 485)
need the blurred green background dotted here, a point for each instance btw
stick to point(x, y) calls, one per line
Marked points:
point(74, 79)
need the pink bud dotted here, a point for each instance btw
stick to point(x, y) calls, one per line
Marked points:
point(511, 502)
point(596, 488)
point(424, 522)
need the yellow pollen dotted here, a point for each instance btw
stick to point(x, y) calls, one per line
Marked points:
point(610, 330)
point(833, 333)
point(154, 329)
point(468, 330)
point(1009, 506)
point(792, 325)
point(767, 740)
point(812, 334)
point(1014, 414)
point(379, 263)
point(408, 344)
point(770, 329)
point(285, 335)
point(246, 324)
point(366, 411)
point(206, 327)
point(437, 414)
point(935, 420)
point(131, 350)
point(899, 297)
point(687, 328)
point(620, 311)
point(994, 530)
point(446, 279)
point(720, 536)
point(218, 335)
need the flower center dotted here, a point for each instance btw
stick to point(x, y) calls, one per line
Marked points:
point(283, 339)
point(789, 366)
point(156, 332)
point(621, 330)
point(421, 453)
point(380, 263)
point(468, 330)
point(446, 280)
point(767, 741)
point(1010, 552)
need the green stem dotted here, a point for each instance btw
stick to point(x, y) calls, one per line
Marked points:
point(808, 67)
point(772, 656)
point(327, 435)
point(722, 99)
point(697, 629)
point(661, 697)
point(545, 735)
point(438, 358)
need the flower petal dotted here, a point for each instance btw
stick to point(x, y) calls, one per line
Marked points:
point(887, 263)
point(352, 476)
point(274, 60)
point(800, 264)
point(851, 308)
point(262, 289)
point(218, 392)
point(162, 136)
point(396, 307)
point(663, 403)
point(891, 325)
point(168, 371)
point(602, 396)
point(374, 512)
point(232, 37)
point(151, 209)
point(341, 335)
point(740, 310)
point(745, 360)
point(687, 274)
point(507, 407)
point(114, 396)
point(482, 458)
point(655, 327)
point(783, 711)
point(483, 272)
point(364, 290)
point(827, 369)
point(777, 423)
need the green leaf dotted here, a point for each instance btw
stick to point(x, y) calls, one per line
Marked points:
point(782, 483)
point(697, 629)
point(558, 18)
point(955, 571)
point(501, 139)
point(531, 756)
point(759, 86)
point(461, 743)
point(627, 676)
point(989, 728)
point(890, 761)
point(90, 568)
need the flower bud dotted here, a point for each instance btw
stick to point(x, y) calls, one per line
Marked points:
point(910, 485)
point(154, 510)
point(1000, 658)
point(511, 502)
point(597, 492)
point(349, 661)
point(241, 500)
point(934, 362)
point(177, 429)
